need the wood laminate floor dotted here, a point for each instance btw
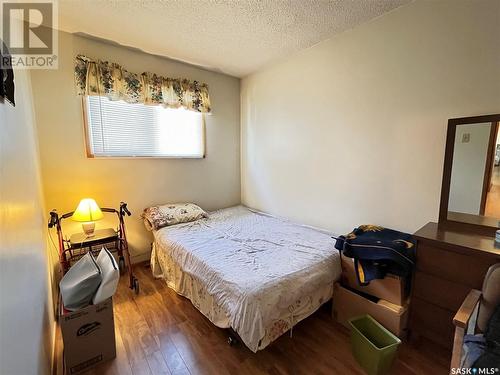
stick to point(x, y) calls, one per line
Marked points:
point(159, 332)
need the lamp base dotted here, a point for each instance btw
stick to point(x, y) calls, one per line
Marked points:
point(88, 228)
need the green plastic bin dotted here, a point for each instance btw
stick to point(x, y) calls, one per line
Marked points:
point(373, 346)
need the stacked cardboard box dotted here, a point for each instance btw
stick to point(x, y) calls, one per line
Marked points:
point(384, 299)
point(88, 336)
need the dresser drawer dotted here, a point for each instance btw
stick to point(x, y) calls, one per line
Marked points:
point(448, 265)
point(440, 292)
point(431, 321)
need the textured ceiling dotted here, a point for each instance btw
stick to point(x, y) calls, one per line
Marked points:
point(236, 37)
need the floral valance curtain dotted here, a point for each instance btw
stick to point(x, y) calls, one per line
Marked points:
point(102, 78)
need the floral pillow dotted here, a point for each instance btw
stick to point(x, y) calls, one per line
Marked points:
point(157, 217)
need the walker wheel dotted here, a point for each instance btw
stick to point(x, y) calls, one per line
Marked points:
point(121, 265)
point(136, 286)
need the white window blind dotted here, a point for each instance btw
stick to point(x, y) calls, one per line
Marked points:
point(119, 129)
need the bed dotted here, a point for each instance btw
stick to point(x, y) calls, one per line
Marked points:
point(249, 271)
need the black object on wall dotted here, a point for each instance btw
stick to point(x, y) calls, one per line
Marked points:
point(6, 75)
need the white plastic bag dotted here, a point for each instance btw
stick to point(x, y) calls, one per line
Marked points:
point(80, 283)
point(110, 276)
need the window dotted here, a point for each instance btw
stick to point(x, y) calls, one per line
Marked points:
point(119, 129)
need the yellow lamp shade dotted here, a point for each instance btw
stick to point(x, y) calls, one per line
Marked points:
point(87, 210)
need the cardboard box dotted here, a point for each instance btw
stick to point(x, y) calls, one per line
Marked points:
point(88, 336)
point(391, 288)
point(347, 304)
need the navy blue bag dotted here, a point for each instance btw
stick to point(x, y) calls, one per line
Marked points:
point(377, 251)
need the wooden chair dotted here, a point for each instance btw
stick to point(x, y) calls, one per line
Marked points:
point(475, 312)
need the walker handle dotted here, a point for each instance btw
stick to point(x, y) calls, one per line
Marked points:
point(123, 208)
point(54, 218)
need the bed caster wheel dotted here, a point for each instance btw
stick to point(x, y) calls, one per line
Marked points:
point(231, 341)
point(136, 286)
point(121, 265)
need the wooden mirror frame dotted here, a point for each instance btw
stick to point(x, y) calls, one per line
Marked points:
point(475, 223)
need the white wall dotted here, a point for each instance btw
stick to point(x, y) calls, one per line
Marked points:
point(467, 172)
point(68, 176)
point(26, 316)
point(352, 130)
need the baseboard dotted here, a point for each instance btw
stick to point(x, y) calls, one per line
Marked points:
point(140, 258)
point(55, 350)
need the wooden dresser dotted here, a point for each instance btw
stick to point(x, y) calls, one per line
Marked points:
point(449, 264)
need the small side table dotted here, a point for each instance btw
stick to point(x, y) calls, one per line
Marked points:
point(80, 243)
point(100, 237)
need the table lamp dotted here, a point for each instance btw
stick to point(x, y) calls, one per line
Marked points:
point(87, 212)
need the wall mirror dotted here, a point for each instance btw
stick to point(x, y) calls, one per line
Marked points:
point(470, 194)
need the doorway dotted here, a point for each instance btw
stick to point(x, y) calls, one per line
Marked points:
point(492, 193)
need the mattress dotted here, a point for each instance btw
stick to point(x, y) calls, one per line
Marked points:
point(253, 272)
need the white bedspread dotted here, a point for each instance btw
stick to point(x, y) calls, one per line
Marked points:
point(254, 266)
